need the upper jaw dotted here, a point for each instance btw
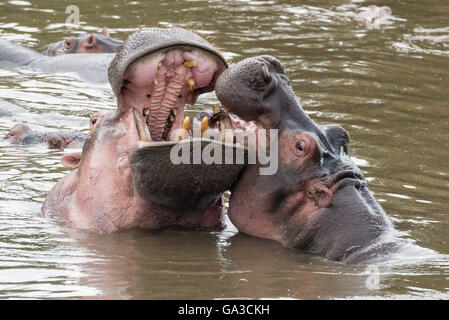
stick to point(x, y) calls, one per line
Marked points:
point(157, 87)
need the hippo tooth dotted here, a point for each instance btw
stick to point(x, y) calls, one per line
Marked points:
point(186, 123)
point(159, 64)
point(155, 82)
point(215, 109)
point(204, 125)
point(190, 63)
point(184, 132)
point(191, 83)
point(142, 128)
point(175, 112)
point(146, 112)
point(226, 132)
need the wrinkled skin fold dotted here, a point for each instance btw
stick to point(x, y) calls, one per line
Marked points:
point(318, 200)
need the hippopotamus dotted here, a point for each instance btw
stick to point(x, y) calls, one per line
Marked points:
point(119, 181)
point(23, 134)
point(8, 109)
point(373, 16)
point(92, 67)
point(85, 43)
point(318, 200)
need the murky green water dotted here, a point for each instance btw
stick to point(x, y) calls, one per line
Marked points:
point(388, 87)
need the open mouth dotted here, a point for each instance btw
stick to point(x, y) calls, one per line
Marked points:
point(156, 88)
point(159, 85)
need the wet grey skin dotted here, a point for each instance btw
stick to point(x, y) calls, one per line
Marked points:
point(72, 45)
point(90, 67)
point(318, 201)
point(8, 109)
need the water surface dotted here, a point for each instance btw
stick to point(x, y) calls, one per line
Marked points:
point(388, 87)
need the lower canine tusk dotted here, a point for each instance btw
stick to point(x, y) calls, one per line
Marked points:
point(141, 126)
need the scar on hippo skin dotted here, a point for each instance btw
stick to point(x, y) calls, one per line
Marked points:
point(86, 43)
point(24, 135)
point(318, 201)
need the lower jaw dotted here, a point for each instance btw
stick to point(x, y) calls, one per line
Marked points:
point(178, 127)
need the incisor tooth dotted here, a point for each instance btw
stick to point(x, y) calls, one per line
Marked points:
point(159, 64)
point(146, 112)
point(184, 131)
point(204, 125)
point(191, 83)
point(186, 123)
point(190, 63)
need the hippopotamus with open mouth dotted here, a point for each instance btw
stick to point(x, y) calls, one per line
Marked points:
point(123, 177)
point(318, 200)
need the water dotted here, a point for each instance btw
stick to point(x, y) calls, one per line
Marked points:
point(388, 87)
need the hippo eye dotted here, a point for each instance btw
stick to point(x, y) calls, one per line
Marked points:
point(68, 43)
point(94, 120)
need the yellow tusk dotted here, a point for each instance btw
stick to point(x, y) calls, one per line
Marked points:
point(186, 123)
point(160, 64)
point(190, 63)
point(215, 109)
point(191, 83)
point(204, 125)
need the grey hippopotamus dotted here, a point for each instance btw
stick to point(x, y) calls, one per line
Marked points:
point(117, 181)
point(91, 67)
point(85, 43)
point(318, 200)
point(8, 109)
point(23, 134)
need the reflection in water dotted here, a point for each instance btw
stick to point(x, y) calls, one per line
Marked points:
point(387, 87)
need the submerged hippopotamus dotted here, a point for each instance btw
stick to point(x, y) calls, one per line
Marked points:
point(318, 200)
point(373, 16)
point(85, 43)
point(117, 180)
point(91, 67)
point(23, 134)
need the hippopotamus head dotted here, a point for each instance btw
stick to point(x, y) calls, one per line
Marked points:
point(18, 132)
point(318, 200)
point(124, 177)
point(85, 43)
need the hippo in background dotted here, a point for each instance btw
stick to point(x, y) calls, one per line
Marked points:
point(373, 16)
point(85, 43)
point(318, 200)
point(24, 135)
point(9, 109)
point(92, 67)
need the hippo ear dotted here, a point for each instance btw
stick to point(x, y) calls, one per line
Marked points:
point(105, 32)
point(91, 41)
point(71, 160)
